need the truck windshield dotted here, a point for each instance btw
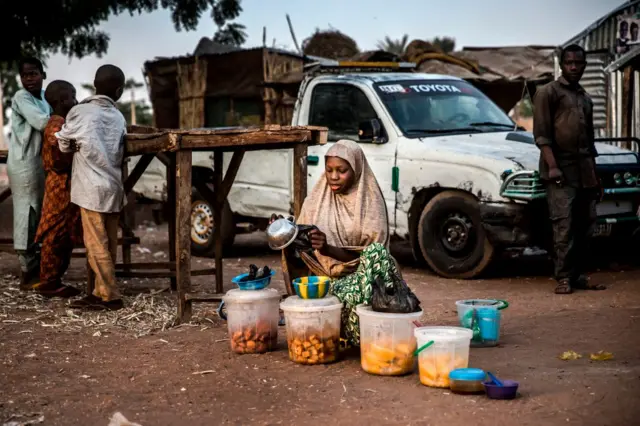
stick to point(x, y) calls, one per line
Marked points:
point(428, 107)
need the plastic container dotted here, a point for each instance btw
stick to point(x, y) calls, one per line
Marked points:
point(387, 341)
point(311, 287)
point(508, 390)
point(313, 329)
point(482, 316)
point(449, 351)
point(258, 284)
point(467, 380)
point(252, 318)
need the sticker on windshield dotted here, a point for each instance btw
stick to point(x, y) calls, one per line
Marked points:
point(393, 88)
point(434, 88)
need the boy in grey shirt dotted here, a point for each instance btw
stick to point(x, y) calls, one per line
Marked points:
point(96, 129)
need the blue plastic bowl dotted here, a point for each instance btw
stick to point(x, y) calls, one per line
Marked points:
point(311, 287)
point(255, 284)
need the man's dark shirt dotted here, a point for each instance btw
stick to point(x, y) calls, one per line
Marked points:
point(563, 120)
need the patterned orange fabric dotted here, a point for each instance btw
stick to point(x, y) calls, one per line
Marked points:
point(60, 227)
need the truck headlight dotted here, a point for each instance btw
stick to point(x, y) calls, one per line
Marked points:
point(617, 178)
point(629, 179)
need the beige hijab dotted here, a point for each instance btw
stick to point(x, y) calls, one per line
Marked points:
point(352, 220)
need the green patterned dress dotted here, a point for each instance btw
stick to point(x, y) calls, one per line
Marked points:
point(357, 288)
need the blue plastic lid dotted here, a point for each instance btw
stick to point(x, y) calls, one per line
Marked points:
point(470, 374)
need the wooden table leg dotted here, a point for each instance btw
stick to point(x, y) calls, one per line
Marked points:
point(217, 217)
point(299, 177)
point(127, 218)
point(91, 279)
point(171, 210)
point(183, 232)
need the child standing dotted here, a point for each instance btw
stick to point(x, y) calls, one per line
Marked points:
point(29, 116)
point(97, 129)
point(60, 228)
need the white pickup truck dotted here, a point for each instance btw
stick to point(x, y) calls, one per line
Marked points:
point(460, 180)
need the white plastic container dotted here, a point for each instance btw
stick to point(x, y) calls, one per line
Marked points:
point(313, 329)
point(252, 318)
point(387, 341)
point(449, 351)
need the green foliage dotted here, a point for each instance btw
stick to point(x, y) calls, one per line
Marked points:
point(394, 46)
point(445, 44)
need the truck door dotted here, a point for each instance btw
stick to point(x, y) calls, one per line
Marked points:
point(341, 107)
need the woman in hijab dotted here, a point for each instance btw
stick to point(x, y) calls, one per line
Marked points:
point(352, 236)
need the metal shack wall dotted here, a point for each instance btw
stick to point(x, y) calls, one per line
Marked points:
point(605, 88)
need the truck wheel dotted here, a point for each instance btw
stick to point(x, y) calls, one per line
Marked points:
point(202, 226)
point(451, 236)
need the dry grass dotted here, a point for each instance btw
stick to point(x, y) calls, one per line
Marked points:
point(143, 314)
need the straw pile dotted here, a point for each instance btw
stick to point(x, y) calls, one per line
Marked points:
point(331, 44)
point(143, 314)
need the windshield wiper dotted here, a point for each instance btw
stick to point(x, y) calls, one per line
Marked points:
point(461, 129)
point(492, 123)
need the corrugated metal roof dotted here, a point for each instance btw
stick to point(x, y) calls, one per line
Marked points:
point(602, 33)
point(624, 59)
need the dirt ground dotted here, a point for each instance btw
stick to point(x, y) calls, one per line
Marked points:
point(63, 369)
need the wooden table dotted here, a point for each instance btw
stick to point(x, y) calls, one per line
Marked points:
point(174, 149)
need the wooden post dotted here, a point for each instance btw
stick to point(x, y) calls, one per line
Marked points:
point(299, 177)
point(183, 232)
point(171, 210)
point(91, 279)
point(627, 105)
point(217, 217)
point(127, 218)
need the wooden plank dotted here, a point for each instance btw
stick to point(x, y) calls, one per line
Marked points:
point(138, 144)
point(183, 232)
point(255, 138)
point(217, 216)
point(171, 210)
point(205, 297)
point(232, 172)
point(299, 178)
point(627, 105)
point(171, 266)
point(161, 274)
point(137, 171)
point(6, 193)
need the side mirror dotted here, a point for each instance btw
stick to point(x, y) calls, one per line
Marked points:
point(371, 131)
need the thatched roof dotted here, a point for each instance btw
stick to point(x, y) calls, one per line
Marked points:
point(330, 44)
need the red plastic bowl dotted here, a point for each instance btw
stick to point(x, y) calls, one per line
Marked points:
point(508, 391)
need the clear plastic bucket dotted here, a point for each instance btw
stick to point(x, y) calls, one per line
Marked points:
point(252, 319)
point(482, 317)
point(387, 341)
point(313, 329)
point(449, 351)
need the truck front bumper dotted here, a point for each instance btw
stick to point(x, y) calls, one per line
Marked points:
point(528, 224)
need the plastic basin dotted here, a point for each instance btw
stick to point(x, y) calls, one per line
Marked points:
point(258, 284)
point(449, 351)
point(483, 317)
point(313, 329)
point(311, 287)
point(387, 341)
point(509, 390)
point(252, 319)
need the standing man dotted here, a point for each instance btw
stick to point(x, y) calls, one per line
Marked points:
point(563, 130)
point(29, 116)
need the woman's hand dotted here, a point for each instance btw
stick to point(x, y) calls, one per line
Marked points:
point(274, 217)
point(318, 240)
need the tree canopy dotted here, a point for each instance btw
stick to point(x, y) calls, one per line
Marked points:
point(70, 27)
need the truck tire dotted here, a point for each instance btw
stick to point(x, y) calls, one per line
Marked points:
point(451, 236)
point(202, 226)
